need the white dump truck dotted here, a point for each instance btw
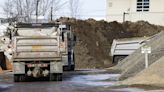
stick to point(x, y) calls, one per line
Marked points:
point(121, 48)
point(67, 43)
point(36, 51)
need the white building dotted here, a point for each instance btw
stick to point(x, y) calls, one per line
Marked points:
point(135, 10)
point(3, 19)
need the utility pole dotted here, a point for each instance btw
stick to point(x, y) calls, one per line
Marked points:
point(51, 13)
point(52, 10)
point(37, 4)
point(124, 15)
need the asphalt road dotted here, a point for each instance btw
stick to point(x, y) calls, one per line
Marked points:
point(78, 81)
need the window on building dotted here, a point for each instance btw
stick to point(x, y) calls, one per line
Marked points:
point(142, 5)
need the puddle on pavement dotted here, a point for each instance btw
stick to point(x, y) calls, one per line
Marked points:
point(92, 79)
point(5, 85)
point(100, 80)
point(95, 79)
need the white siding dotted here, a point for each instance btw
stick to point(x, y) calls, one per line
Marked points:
point(156, 5)
point(115, 12)
point(154, 16)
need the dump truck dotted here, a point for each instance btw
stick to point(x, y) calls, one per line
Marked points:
point(36, 51)
point(67, 43)
point(121, 48)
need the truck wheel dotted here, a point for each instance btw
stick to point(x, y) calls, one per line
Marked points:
point(22, 78)
point(19, 78)
point(55, 77)
point(52, 77)
point(119, 58)
point(59, 77)
point(72, 67)
point(66, 68)
point(16, 78)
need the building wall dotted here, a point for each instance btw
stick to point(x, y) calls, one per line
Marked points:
point(115, 9)
point(154, 16)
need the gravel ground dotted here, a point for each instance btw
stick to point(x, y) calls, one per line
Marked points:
point(153, 75)
point(76, 81)
point(134, 63)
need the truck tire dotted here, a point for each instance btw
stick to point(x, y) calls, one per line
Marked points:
point(22, 78)
point(66, 68)
point(52, 77)
point(19, 78)
point(72, 67)
point(56, 77)
point(118, 58)
point(59, 77)
point(16, 78)
point(69, 68)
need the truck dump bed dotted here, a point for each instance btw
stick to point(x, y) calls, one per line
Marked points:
point(126, 46)
point(121, 48)
point(36, 48)
point(36, 42)
point(36, 52)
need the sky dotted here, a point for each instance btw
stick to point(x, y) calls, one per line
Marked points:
point(88, 9)
point(93, 8)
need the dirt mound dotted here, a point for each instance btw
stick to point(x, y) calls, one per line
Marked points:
point(134, 63)
point(142, 28)
point(94, 39)
point(1, 71)
point(5, 64)
point(9, 65)
point(153, 75)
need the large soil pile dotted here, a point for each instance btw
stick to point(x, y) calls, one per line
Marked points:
point(94, 39)
point(134, 63)
point(152, 75)
point(1, 71)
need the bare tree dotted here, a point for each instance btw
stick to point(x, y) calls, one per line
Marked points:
point(8, 8)
point(29, 8)
point(74, 7)
point(19, 8)
point(56, 6)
